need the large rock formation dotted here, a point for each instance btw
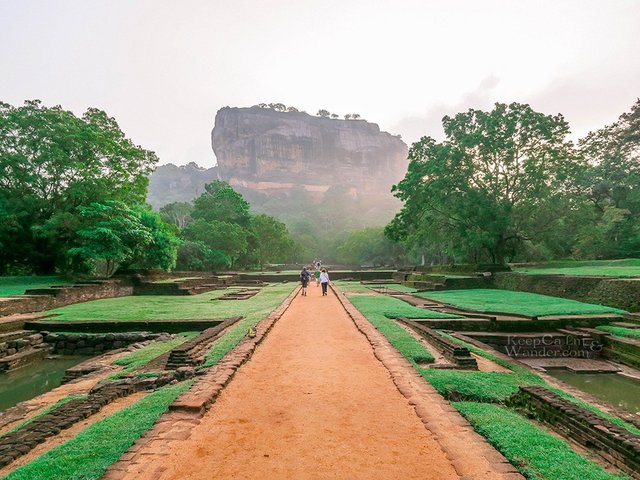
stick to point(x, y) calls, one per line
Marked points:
point(266, 150)
point(170, 183)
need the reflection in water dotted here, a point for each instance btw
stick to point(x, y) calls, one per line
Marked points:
point(30, 381)
point(613, 388)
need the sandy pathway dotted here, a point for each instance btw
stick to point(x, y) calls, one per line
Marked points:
point(313, 402)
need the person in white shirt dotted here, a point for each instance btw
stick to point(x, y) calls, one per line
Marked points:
point(324, 281)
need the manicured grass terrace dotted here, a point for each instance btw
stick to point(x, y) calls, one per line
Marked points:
point(536, 453)
point(171, 307)
point(87, 455)
point(138, 358)
point(17, 285)
point(629, 267)
point(621, 331)
point(357, 287)
point(506, 301)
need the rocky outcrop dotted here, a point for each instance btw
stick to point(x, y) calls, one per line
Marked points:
point(263, 149)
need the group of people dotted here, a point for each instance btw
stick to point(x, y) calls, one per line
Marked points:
point(320, 275)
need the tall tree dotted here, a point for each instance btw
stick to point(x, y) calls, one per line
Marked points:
point(221, 203)
point(273, 242)
point(52, 162)
point(490, 186)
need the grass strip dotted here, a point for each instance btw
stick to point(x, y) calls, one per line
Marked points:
point(42, 413)
point(487, 300)
point(264, 303)
point(18, 284)
point(536, 453)
point(144, 355)
point(87, 455)
point(620, 331)
point(373, 307)
point(529, 378)
point(394, 307)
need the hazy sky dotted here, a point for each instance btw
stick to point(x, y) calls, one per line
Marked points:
point(163, 68)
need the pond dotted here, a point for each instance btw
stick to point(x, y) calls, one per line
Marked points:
point(33, 380)
point(613, 388)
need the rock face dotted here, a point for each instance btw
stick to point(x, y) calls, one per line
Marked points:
point(262, 149)
point(170, 183)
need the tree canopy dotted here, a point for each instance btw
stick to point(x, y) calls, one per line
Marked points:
point(495, 182)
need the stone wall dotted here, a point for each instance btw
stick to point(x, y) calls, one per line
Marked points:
point(97, 343)
point(47, 299)
point(11, 347)
point(614, 292)
point(613, 443)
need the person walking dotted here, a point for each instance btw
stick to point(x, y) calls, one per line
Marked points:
point(316, 275)
point(324, 281)
point(304, 279)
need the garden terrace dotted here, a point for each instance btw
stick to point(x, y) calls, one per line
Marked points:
point(119, 326)
point(456, 354)
point(629, 267)
point(615, 444)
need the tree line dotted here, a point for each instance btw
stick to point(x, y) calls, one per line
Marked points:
point(508, 185)
point(72, 200)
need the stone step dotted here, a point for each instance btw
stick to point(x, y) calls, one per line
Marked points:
point(7, 336)
point(23, 358)
point(626, 325)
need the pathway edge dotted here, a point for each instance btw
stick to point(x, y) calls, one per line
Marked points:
point(447, 425)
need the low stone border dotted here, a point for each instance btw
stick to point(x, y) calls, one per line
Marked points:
point(455, 353)
point(470, 454)
point(25, 439)
point(97, 343)
point(112, 326)
point(192, 352)
point(205, 390)
point(613, 443)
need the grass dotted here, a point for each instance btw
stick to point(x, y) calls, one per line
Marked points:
point(357, 287)
point(492, 387)
point(536, 453)
point(17, 285)
point(144, 355)
point(485, 300)
point(529, 378)
point(173, 280)
point(621, 331)
point(43, 412)
point(168, 307)
point(629, 267)
point(406, 344)
point(253, 310)
point(87, 455)
point(393, 307)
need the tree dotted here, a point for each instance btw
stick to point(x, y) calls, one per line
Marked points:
point(355, 116)
point(230, 238)
point(177, 213)
point(111, 233)
point(347, 116)
point(323, 113)
point(610, 183)
point(292, 110)
point(52, 162)
point(199, 257)
point(273, 242)
point(335, 115)
point(220, 202)
point(491, 185)
point(161, 252)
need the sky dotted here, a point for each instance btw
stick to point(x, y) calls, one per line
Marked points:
point(163, 68)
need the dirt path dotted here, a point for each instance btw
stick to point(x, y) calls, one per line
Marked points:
point(313, 402)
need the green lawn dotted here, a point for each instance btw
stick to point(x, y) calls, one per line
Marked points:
point(87, 455)
point(629, 267)
point(144, 355)
point(485, 300)
point(17, 285)
point(536, 453)
point(621, 331)
point(357, 287)
point(393, 307)
point(170, 307)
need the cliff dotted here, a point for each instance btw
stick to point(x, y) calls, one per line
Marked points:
point(266, 150)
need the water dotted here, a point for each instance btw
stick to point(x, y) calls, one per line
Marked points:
point(33, 380)
point(615, 389)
